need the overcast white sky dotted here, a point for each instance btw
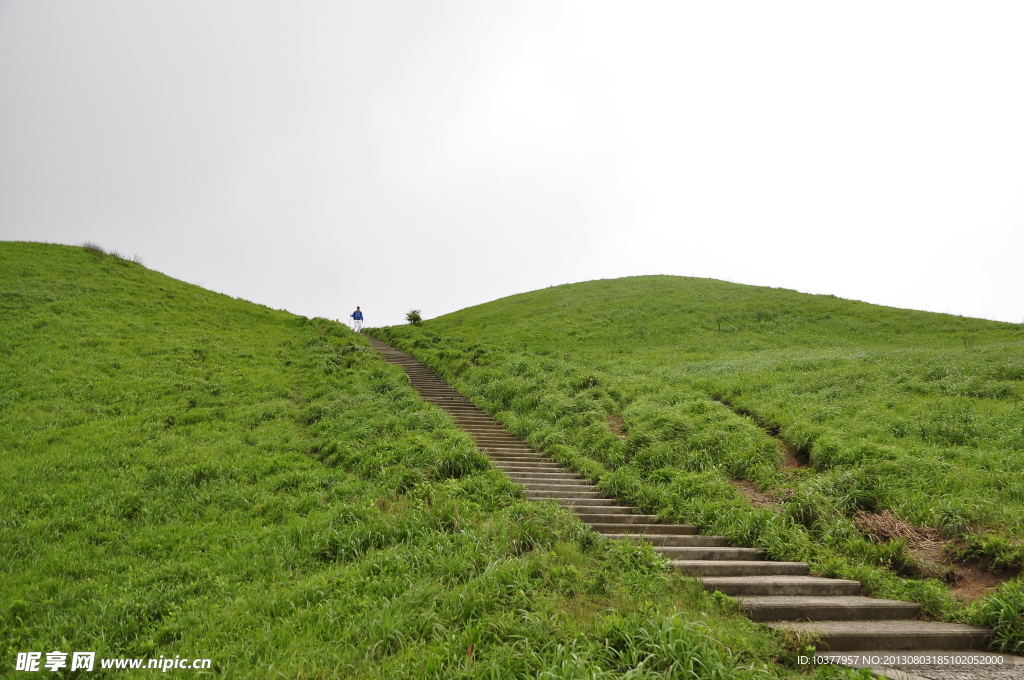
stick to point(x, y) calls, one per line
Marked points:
point(434, 155)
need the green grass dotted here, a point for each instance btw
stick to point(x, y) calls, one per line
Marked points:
point(913, 412)
point(183, 473)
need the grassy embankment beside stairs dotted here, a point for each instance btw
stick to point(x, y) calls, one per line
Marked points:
point(183, 473)
point(912, 413)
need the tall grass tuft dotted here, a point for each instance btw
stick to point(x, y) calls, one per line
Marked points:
point(1003, 612)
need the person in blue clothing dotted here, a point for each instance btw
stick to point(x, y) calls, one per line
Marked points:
point(357, 320)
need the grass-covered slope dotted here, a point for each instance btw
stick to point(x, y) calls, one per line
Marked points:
point(182, 473)
point(915, 413)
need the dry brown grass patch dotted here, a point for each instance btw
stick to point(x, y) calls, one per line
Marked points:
point(885, 526)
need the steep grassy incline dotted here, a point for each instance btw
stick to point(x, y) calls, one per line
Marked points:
point(912, 413)
point(182, 473)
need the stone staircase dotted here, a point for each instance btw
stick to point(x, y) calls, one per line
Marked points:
point(781, 594)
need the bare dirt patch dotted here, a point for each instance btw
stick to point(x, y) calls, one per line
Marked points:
point(932, 555)
point(618, 426)
point(758, 499)
point(791, 460)
point(971, 581)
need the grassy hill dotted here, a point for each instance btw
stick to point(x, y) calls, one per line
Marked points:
point(187, 474)
point(667, 390)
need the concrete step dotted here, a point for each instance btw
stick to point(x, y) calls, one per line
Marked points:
point(537, 467)
point(708, 553)
point(539, 475)
point(709, 568)
point(582, 502)
point(523, 457)
point(529, 478)
point(610, 510)
point(559, 487)
point(535, 494)
point(523, 451)
point(517, 457)
point(741, 586)
point(520, 450)
point(644, 528)
point(490, 440)
point(604, 518)
point(669, 540)
point(531, 466)
point(846, 636)
point(838, 608)
point(581, 491)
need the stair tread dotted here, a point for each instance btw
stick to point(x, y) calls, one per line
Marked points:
point(652, 535)
point(674, 562)
point(776, 579)
point(875, 627)
point(640, 528)
point(833, 600)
